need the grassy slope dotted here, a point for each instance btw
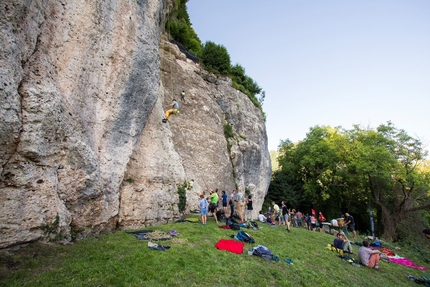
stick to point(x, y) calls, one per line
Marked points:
point(120, 259)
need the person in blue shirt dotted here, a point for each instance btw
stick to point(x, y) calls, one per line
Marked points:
point(341, 242)
point(224, 201)
point(173, 108)
point(203, 205)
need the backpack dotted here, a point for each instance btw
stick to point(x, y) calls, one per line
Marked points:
point(262, 252)
point(233, 224)
point(253, 225)
point(245, 237)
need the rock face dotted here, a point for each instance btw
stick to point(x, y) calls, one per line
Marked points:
point(83, 87)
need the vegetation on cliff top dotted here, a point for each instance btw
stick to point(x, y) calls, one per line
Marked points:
point(215, 58)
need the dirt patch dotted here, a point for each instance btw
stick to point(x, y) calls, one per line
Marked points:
point(26, 257)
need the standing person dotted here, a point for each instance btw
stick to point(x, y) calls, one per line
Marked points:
point(368, 257)
point(231, 203)
point(299, 216)
point(183, 96)
point(341, 242)
point(213, 206)
point(293, 217)
point(276, 212)
point(313, 223)
point(341, 223)
point(249, 208)
point(308, 221)
point(321, 219)
point(203, 204)
point(285, 215)
point(224, 201)
point(349, 222)
point(173, 108)
point(239, 199)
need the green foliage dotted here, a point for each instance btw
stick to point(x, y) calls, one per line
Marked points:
point(51, 228)
point(228, 131)
point(129, 180)
point(336, 170)
point(274, 159)
point(215, 58)
point(246, 85)
point(182, 192)
point(179, 27)
point(120, 259)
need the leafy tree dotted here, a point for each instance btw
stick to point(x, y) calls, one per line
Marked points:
point(215, 58)
point(386, 163)
point(335, 170)
point(179, 27)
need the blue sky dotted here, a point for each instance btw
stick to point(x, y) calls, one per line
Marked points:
point(336, 63)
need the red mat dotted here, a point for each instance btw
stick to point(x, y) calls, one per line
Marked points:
point(230, 245)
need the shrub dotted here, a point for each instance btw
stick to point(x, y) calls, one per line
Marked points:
point(215, 58)
point(182, 192)
point(228, 131)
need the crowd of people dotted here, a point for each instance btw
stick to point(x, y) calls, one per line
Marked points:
point(240, 205)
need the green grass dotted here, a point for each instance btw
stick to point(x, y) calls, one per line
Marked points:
point(120, 259)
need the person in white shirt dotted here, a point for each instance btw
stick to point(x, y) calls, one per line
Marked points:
point(261, 217)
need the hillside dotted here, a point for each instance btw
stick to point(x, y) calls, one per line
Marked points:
point(121, 259)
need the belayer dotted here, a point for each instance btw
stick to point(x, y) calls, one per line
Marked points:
point(173, 108)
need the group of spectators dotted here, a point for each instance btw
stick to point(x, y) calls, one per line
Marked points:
point(237, 203)
point(286, 216)
point(290, 217)
point(282, 216)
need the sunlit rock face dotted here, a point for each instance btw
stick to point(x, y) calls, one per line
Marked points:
point(83, 87)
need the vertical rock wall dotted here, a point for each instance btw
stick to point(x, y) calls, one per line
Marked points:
point(192, 145)
point(83, 87)
point(78, 80)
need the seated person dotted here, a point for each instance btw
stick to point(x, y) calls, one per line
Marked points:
point(341, 242)
point(368, 257)
point(261, 217)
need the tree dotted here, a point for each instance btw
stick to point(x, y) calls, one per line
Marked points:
point(386, 161)
point(284, 184)
point(334, 169)
point(215, 58)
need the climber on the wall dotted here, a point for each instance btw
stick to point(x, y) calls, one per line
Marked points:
point(183, 96)
point(172, 109)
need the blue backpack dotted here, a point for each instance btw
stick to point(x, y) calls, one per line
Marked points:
point(263, 252)
point(245, 237)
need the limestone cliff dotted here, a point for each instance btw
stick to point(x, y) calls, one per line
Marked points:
point(83, 87)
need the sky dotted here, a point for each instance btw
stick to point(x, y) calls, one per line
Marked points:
point(328, 63)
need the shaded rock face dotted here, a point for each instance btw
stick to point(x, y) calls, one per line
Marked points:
point(83, 87)
point(192, 145)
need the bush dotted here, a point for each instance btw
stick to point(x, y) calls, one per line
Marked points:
point(215, 58)
point(179, 27)
point(228, 131)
